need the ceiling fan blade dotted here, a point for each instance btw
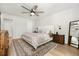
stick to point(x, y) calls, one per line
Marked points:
point(36, 14)
point(25, 12)
point(25, 8)
point(40, 11)
point(35, 7)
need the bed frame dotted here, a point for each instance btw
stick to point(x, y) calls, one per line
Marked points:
point(69, 36)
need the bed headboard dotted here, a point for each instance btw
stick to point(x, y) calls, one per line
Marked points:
point(46, 29)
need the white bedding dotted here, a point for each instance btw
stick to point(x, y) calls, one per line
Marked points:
point(36, 39)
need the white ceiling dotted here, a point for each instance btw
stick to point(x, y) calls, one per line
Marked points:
point(48, 8)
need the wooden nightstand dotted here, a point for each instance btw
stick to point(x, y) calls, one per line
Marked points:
point(58, 38)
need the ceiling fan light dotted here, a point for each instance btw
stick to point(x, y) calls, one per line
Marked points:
point(32, 13)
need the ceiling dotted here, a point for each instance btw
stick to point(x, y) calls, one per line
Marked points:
point(48, 8)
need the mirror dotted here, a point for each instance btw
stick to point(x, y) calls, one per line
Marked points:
point(74, 33)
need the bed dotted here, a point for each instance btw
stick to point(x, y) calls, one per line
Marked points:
point(36, 39)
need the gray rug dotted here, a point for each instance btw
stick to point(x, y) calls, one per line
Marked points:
point(22, 48)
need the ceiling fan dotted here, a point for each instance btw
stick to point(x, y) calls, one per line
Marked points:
point(32, 11)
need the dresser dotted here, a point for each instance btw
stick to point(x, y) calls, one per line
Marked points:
point(4, 43)
point(58, 38)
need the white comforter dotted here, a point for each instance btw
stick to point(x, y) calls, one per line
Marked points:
point(36, 39)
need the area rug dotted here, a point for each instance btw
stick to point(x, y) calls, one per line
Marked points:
point(22, 48)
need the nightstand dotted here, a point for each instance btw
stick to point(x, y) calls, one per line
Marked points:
point(58, 38)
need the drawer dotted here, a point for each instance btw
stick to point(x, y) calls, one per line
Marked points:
point(58, 38)
point(3, 52)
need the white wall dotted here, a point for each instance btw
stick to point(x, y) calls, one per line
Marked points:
point(60, 19)
point(21, 25)
point(18, 24)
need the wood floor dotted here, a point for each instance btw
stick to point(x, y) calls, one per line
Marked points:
point(60, 50)
point(63, 50)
